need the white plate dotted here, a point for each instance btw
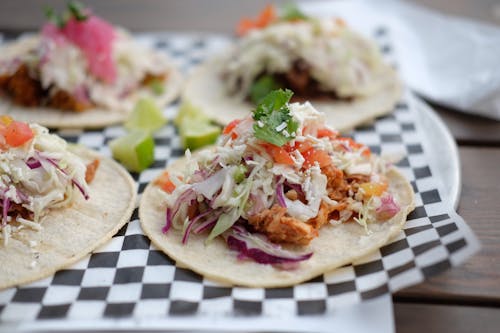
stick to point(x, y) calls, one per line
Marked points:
point(442, 148)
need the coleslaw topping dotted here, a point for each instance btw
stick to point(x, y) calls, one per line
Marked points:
point(35, 176)
point(295, 48)
point(253, 190)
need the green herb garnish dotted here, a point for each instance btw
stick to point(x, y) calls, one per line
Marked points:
point(157, 86)
point(75, 9)
point(273, 121)
point(292, 13)
point(261, 87)
point(51, 16)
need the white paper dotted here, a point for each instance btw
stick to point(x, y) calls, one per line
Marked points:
point(375, 316)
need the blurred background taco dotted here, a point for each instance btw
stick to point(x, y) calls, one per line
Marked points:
point(81, 71)
point(322, 60)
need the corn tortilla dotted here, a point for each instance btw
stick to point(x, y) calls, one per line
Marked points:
point(205, 91)
point(335, 246)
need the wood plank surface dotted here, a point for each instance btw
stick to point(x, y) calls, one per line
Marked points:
point(469, 129)
point(429, 318)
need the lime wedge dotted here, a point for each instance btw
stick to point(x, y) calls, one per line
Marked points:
point(146, 116)
point(189, 111)
point(135, 151)
point(196, 134)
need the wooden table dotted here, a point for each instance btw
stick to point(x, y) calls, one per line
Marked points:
point(463, 299)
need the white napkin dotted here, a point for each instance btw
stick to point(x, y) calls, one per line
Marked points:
point(449, 60)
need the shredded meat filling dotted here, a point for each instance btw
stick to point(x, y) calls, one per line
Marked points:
point(304, 86)
point(22, 88)
point(150, 78)
point(63, 100)
point(281, 228)
point(27, 91)
point(91, 170)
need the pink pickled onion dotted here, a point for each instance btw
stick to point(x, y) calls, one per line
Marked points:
point(94, 37)
point(387, 209)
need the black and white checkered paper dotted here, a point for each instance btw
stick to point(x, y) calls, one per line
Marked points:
point(129, 281)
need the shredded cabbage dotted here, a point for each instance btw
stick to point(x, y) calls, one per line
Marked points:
point(39, 175)
point(239, 179)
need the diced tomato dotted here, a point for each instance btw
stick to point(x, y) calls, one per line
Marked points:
point(312, 156)
point(279, 154)
point(266, 17)
point(165, 183)
point(244, 26)
point(230, 127)
point(16, 133)
point(327, 133)
point(373, 189)
point(303, 146)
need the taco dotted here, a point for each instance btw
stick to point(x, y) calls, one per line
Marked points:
point(59, 202)
point(81, 72)
point(280, 199)
point(323, 61)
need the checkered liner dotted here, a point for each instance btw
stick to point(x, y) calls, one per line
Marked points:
point(130, 279)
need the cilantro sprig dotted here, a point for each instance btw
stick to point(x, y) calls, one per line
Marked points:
point(261, 87)
point(292, 13)
point(273, 121)
point(75, 9)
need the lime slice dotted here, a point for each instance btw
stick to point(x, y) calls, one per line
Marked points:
point(146, 116)
point(189, 111)
point(134, 150)
point(196, 134)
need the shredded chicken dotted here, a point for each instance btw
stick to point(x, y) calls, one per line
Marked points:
point(280, 228)
point(91, 170)
point(304, 86)
point(22, 88)
point(326, 213)
point(64, 101)
point(150, 78)
point(337, 186)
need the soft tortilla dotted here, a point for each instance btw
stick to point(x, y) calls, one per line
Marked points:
point(205, 90)
point(69, 234)
point(335, 246)
point(92, 118)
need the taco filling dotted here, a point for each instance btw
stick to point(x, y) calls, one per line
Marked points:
point(317, 59)
point(37, 174)
point(273, 182)
point(78, 62)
